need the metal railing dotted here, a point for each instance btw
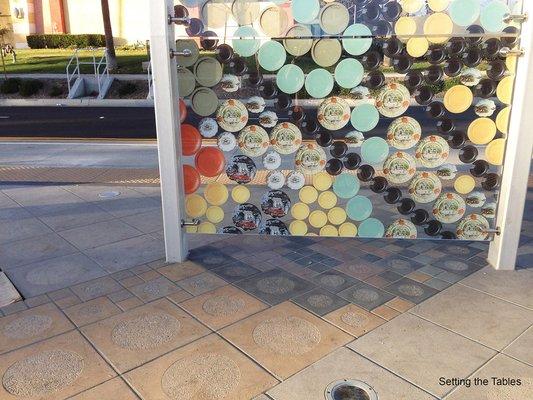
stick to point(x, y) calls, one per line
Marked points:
point(100, 68)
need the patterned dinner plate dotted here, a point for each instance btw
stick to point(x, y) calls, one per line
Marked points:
point(400, 167)
point(286, 138)
point(393, 100)
point(473, 227)
point(404, 133)
point(253, 141)
point(232, 115)
point(334, 113)
point(425, 187)
point(449, 208)
point(432, 151)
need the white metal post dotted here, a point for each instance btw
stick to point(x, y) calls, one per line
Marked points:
point(504, 249)
point(164, 70)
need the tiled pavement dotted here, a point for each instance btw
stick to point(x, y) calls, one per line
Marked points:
point(103, 314)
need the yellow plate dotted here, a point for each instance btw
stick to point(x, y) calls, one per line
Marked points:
point(322, 181)
point(216, 194)
point(348, 230)
point(502, 120)
point(438, 24)
point(308, 194)
point(482, 131)
point(207, 227)
point(300, 211)
point(405, 26)
point(215, 214)
point(417, 47)
point(495, 151)
point(464, 184)
point(240, 194)
point(191, 229)
point(412, 6)
point(438, 5)
point(318, 219)
point(195, 205)
point(329, 230)
point(458, 99)
point(505, 90)
point(327, 200)
point(337, 216)
point(511, 63)
point(298, 228)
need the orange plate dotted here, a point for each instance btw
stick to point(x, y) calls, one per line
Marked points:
point(183, 111)
point(210, 161)
point(191, 140)
point(191, 179)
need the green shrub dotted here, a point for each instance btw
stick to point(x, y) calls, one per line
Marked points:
point(125, 89)
point(10, 86)
point(30, 87)
point(55, 91)
point(64, 41)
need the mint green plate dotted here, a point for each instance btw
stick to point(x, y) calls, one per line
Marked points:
point(246, 47)
point(272, 55)
point(359, 208)
point(492, 16)
point(305, 11)
point(349, 73)
point(464, 12)
point(371, 228)
point(319, 83)
point(374, 150)
point(346, 186)
point(358, 46)
point(290, 79)
point(365, 117)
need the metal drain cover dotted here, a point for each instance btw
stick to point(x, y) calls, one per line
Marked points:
point(108, 195)
point(350, 389)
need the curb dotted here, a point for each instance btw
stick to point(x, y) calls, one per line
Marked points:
point(74, 103)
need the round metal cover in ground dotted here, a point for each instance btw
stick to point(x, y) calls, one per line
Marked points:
point(346, 389)
point(108, 195)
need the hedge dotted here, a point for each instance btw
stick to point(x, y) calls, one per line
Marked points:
point(65, 41)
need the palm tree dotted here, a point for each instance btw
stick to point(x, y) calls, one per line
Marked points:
point(109, 43)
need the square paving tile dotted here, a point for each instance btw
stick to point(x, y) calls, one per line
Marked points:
point(411, 290)
point(96, 288)
point(115, 389)
point(202, 283)
point(320, 301)
point(149, 222)
point(210, 257)
point(56, 273)
point(208, 369)
point(154, 289)
point(310, 384)
point(285, 339)
point(522, 348)
point(23, 227)
point(437, 283)
point(30, 326)
point(422, 352)
point(500, 366)
point(275, 286)
point(54, 369)
point(179, 271)
point(143, 333)
point(400, 265)
point(222, 307)
point(334, 281)
point(92, 311)
point(354, 320)
point(359, 270)
point(235, 271)
point(366, 296)
point(456, 265)
point(67, 216)
point(479, 316)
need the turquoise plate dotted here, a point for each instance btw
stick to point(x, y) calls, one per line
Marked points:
point(492, 16)
point(371, 228)
point(359, 46)
point(346, 186)
point(319, 83)
point(375, 150)
point(365, 117)
point(464, 12)
point(272, 56)
point(349, 73)
point(290, 79)
point(305, 11)
point(359, 208)
point(246, 47)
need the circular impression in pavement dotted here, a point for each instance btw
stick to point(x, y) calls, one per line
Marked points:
point(28, 326)
point(109, 195)
point(350, 390)
point(146, 331)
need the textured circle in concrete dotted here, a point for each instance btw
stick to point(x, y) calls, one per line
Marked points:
point(43, 373)
point(354, 319)
point(365, 295)
point(332, 281)
point(54, 275)
point(28, 326)
point(288, 336)
point(223, 306)
point(154, 288)
point(457, 250)
point(411, 290)
point(145, 332)
point(320, 301)
point(456, 265)
point(236, 271)
point(95, 289)
point(398, 264)
point(275, 285)
point(205, 376)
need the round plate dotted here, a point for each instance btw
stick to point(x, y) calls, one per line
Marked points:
point(505, 90)
point(481, 131)
point(322, 181)
point(247, 217)
point(319, 83)
point(204, 101)
point(464, 184)
point(246, 43)
point(327, 200)
point(449, 208)
point(371, 228)
point(286, 138)
point(195, 205)
point(290, 79)
point(425, 187)
point(412, 6)
point(401, 229)
point(310, 159)
point(274, 21)
point(308, 195)
point(417, 46)
point(393, 100)
point(349, 73)
point(326, 52)
point(210, 161)
point(232, 115)
point(458, 99)
point(404, 133)
point(186, 82)
point(275, 203)
point(400, 167)
point(473, 227)
point(253, 141)
point(359, 208)
point(438, 5)
point(300, 211)
point(334, 18)
point(208, 127)
point(191, 179)
point(245, 12)
point(298, 228)
point(476, 199)
point(241, 169)
point(492, 16)
point(485, 108)
point(216, 194)
point(464, 12)
point(214, 13)
point(190, 45)
point(346, 186)
point(268, 119)
point(295, 180)
point(348, 230)
point(447, 172)
point(215, 214)
point(208, 71)
point(298, 47)
point(329, 231)
point(255, 104)
point(305, 11)
point(333, 113)
point(227, 142)
point(405, 26)
point(432, 151)
point(495, 151)
point(471, 77)
point(438, 24)
point(374, 150)
point(240, 194)
point(337, 216)
point(271, 55)
point(318, 218)
point(355, 45)
point(271, 160)
point(365, 117)
point(191, 140)
point(502, 120)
